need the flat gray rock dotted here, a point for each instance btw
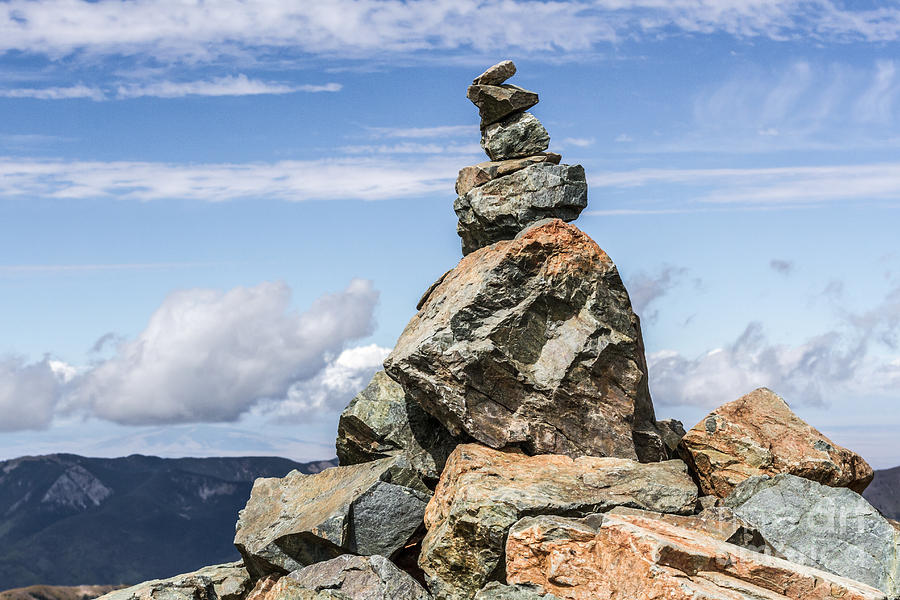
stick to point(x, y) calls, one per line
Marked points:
point(230, 581)
point(521, 591)
point(297, 520)
point(532, 342)
point(495, 102)
point(833, 529)
point(516, 136)
point(497, 74)
point(475, 175)
point(361, 578)
point(382, 420)
point(503, 207)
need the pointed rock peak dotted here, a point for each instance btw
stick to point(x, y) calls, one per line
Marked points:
point(758, 434)
point(497, 74)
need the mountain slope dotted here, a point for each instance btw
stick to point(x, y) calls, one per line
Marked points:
point(71, 520)
point(884, 492)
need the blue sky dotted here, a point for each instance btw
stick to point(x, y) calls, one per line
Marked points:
point(216, 218)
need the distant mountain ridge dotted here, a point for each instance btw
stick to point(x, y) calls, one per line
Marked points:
point(72, 520)
point(884, 492)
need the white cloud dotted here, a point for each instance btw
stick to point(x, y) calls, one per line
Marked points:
point(211, 356)
point(88, 267)
point(413, 148)
point(239, 85)
point(439, 131)
point(644, 289)
point(56, 93)
point(334, 387)
point(704, 189)
point(231, 85)
point(172, 30)
point(623, 138)
point(363, 178)
point(579, 142)
point(830, 106)
point(29, 393)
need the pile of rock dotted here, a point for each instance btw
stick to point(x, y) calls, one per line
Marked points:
point(509, 450)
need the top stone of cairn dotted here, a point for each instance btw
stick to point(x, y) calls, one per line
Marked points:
point(497, 74)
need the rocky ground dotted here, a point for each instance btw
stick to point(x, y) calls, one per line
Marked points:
point(510, 448)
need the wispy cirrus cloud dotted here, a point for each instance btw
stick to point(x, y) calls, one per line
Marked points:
point(689, 190)
point(364, 178)
point(203, 32)
point(56, 93)
point(800, 104)
point(231, 85)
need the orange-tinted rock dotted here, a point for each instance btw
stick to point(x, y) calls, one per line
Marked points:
point(758, 434)
point(482, 492)
point(533, 341)
point(630, 557)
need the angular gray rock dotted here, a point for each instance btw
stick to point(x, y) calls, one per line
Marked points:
point(361, 578)
point(382, 420)
point(369, 508)
point(520, 591)
point(495, 102)
point(532, 341)
point(497, 74)
point(475, 175)
point(230, 581)
point(833, 529)
point(500, 209)
point(516, 136)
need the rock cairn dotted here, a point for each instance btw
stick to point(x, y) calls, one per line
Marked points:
point(510, 451)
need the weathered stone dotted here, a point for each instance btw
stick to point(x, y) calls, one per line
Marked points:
point(482, 492)
point(532, 342)
point(382, 420)
point(430, 289)
point(286, 588)
point(497, 74)
point(516, 136)
point(361, 578)
point(758, 434)
point(719, 523)
point(475, 175)
point(521, 591)
point(230, 581)
point(828, 528)
point(504, 207)
point(637, 556)
point(369, 508)
point(495, 102)
point(671, 432)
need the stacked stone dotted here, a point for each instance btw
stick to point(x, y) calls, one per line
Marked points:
point(510, 451)
point(522, 183)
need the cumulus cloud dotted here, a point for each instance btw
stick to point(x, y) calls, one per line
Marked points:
point(335, 385)
point(29, 392)
point(845, 362)
point(209, 356)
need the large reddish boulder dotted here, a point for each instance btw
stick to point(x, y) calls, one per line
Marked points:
point(758, 434)
point(533, 341)
point(626, 557)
